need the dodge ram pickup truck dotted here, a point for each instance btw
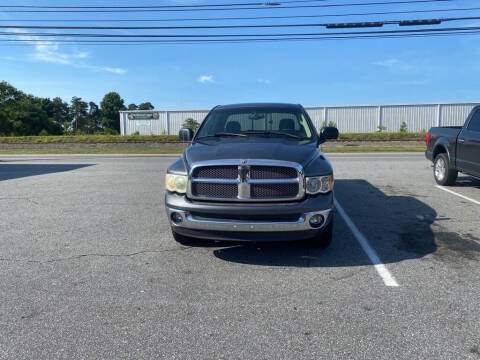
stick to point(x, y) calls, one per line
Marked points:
point(454, 149)
point(252, 172)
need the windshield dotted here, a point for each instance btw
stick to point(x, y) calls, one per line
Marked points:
point(251, 122)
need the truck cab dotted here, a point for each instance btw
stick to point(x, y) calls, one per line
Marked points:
point(252, 172)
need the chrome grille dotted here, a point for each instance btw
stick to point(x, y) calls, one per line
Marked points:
point(246, 180)
point(212, 190)
point(268, 191)
point(272, 172)
point(216, 172)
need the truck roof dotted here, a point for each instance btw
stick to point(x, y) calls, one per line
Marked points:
point(258, 105)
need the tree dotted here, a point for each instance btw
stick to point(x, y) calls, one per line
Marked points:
point(132, 107)
point(403, 127)
point(111, 105)
point(22, 114)
point(191, 124)
point(146, 106)
point(79, 114)
point(9, 94)
point(94, 118)
point(60, 111)
point(29, 118)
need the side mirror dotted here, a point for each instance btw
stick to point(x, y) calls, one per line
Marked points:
point(185, 134)
point(328, 133)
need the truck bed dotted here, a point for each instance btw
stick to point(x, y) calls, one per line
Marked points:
point(446, 131)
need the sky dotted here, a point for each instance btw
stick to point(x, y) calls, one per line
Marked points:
point(200, 76)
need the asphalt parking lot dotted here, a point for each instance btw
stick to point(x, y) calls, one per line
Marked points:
point(89, 269)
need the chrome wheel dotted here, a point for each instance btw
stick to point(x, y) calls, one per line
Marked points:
point(440, 169)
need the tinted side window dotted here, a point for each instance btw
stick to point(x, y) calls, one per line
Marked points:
point(474, 124)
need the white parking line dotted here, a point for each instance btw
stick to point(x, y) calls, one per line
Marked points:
point(457, 194)
point(382, 270)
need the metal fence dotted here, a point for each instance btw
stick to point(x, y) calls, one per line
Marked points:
point(352, 119)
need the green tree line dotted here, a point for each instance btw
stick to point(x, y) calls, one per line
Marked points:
point(23, 114)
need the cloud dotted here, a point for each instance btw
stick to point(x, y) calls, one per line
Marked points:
point(264, 81)
point(396, 65)
point(49, 51)
point(204, 79)
point(114, 70)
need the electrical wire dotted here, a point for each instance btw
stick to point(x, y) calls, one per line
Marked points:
point(397, 2)
point(77, 35)
point(227, 41)
point(250, 17)
point(415, 22)
point(268, 3)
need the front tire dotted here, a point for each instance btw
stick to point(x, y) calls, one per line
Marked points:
point(443, 173)
point(324, 239)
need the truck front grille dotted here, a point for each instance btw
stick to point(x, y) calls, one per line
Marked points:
point(269, 191)
point(272, 172)
point(246, 181)
point(225, 191)
point(216, 172)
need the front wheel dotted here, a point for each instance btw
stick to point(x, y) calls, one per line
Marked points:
point(442, 171)
point(324, 239)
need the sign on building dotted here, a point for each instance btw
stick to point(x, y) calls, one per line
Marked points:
point(144, 116)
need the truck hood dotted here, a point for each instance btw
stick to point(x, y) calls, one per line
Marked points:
point(302, 152)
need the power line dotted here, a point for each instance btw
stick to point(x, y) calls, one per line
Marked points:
point(415, 22)
point(226, 41)
point(397, 2)
point(268, 3)
point(251, 17)
point(379, 32)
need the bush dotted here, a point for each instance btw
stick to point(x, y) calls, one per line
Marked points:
point(43, 133)
point(110, 131)
point(330, 124)
point(403, 127)
point(191, 124)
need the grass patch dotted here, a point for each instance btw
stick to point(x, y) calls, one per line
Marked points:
point(383, 136)
point(180, 149)
point(123, 150)
point(367, 149)
point(85, 139)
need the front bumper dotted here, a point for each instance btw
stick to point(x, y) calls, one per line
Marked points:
point(243, 222)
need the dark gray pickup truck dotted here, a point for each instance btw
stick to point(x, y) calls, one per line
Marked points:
point(252, 172)
point(454, 149)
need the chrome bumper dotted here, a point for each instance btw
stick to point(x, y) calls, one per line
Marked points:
point(301, 224)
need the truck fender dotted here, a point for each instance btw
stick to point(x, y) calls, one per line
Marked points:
point(442, 147)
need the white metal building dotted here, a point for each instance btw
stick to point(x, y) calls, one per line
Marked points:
point(356, 119)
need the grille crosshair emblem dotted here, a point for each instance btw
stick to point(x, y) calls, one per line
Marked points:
point(244, 185)
point(244, 173)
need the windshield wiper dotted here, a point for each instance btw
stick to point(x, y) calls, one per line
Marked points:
point(269, 132)
point(220, 134)
point(228, 134)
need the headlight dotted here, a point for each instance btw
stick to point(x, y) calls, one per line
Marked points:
point(177, 183)
point(319, 184)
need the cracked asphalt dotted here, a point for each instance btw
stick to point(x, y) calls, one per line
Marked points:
point(89, 269)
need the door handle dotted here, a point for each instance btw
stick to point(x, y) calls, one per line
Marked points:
point(461, 141)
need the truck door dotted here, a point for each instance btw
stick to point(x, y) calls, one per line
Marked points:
point(468, 146)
